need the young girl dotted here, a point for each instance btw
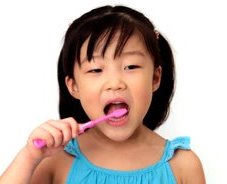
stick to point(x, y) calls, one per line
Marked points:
point(112, 58)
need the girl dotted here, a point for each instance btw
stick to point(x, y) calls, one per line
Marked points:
point(112, 58)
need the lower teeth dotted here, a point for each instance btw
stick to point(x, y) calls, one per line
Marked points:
point(116, 119)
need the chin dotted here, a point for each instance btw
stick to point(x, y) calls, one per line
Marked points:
point(118, 136)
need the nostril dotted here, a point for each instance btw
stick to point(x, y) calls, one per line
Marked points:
point(115, 84)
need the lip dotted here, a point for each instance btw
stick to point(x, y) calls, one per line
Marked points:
point(122, 100)
point(122, 121)
point(118, 123)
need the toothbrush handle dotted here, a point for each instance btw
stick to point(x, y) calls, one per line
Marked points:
point(83, 127)
point(39, 143)
point(90, 124)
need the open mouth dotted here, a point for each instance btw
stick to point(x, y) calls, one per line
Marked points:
point(109, 108)
point(113, 106)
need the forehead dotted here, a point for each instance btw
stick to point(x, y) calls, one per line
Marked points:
point(134, 43)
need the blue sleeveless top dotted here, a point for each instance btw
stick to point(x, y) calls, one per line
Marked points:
point(84, 172)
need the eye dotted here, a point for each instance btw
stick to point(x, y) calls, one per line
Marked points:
point(95, 70)
point(131, 67)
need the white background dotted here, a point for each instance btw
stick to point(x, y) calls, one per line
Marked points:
point(31, 35)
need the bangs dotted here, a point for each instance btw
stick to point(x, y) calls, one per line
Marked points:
point(101, 26)
point(104, 30)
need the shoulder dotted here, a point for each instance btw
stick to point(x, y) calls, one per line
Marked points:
point(187, 167)
point(53, 169)
point(62, 164)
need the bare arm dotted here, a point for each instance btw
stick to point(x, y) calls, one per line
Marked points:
point(187, 168)
point(20, 170)
point(56, 134)
point(193, 173)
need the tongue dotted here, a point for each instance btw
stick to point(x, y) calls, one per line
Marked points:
point(114, 107)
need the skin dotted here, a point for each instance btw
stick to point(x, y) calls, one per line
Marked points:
point(124, 78)
point(134, 82)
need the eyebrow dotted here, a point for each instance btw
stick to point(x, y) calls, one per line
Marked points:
point(124, 53)
point(83, 60)
point(134, 52)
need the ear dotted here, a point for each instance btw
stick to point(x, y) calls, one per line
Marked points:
point(72, 87)
point(157, 78)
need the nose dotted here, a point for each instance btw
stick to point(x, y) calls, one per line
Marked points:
point(115, 83)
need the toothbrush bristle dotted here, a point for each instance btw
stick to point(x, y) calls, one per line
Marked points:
point(120, 112)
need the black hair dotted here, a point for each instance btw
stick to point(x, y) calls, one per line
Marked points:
point(105, 22)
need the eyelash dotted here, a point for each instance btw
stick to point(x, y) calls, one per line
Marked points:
point(96, 70)
point(128, 67)
point(131, 67)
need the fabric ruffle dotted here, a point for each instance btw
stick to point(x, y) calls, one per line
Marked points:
point(85, 172)
point(175, 144)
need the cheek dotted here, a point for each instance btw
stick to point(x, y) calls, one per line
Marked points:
point(144, 99)
point(143, 87)
point(142, 95)
point(89, 99)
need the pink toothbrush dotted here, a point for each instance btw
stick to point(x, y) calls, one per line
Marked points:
point(115, 114)
point(39, 143)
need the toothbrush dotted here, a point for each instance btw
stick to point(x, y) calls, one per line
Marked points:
point(115, 114)
point(39, 143)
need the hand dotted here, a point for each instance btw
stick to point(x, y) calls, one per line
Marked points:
point(55, 133)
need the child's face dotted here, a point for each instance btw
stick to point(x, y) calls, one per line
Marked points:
point(107, 83)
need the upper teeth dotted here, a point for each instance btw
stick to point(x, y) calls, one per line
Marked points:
point(116, 102)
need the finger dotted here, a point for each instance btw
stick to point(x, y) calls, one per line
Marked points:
point(56, 133)
point(65, 128)
point(42, 134)
point(74, 126)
